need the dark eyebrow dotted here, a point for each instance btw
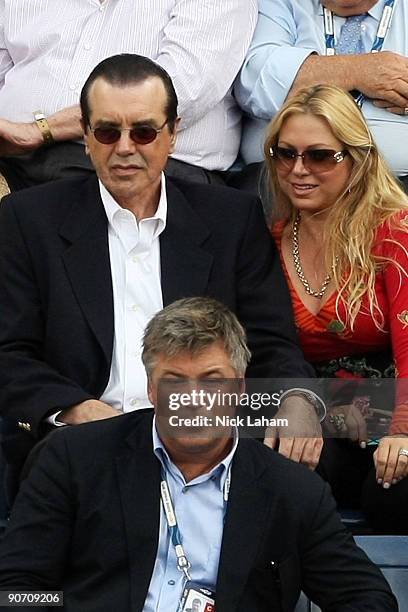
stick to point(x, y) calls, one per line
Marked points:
point(106, 123)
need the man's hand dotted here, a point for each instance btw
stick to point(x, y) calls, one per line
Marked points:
point(379, 76)
point(346, 421)
point(384, 78)
point(90, 410)
point(19, 138)
point(391, 467)
point(302, 440)
point(397, 110)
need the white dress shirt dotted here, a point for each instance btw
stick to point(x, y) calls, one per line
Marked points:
point(48, 48)
point(134, 251)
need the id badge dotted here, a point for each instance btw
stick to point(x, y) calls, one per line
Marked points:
point(197, 598)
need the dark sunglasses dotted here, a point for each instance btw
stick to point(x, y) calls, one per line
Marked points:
point(141, 134)
point(314, 160)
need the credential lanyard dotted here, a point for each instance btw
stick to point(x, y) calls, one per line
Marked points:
point(382, 30)
point(183, 564)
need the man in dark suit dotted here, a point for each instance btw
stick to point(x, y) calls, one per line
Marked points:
point(85, 263)
point(119, 514)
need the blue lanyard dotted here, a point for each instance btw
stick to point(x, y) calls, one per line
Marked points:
point(382, 30)
point(183, 564)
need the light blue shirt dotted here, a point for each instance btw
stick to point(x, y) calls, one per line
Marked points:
point(200, 508)
point(288, 31)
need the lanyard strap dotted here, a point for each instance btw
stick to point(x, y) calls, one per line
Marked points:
point(382, 30)
point(183, 564)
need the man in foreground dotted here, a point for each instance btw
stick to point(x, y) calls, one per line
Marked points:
point(252, 528)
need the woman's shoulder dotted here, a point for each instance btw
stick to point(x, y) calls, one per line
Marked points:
point(393, 232)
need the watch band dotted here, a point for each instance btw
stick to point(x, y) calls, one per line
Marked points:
point(43, 126)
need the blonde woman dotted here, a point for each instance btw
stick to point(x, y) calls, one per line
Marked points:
point(341, 225)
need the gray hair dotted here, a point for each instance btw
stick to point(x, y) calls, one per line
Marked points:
point(192, 325)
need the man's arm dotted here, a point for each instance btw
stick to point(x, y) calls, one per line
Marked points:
point(264, 305)
point(276, 65)
point(336, 574)
point(18, 138)
point(33, 552)
point(380, 76)
point(30, 388)
point(203, 47)
point(5, 60)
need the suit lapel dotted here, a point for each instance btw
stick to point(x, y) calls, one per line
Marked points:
point(248, 506)
point(87, 263)
point(185, 266)
point(138, 473)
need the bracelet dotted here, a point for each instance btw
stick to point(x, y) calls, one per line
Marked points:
point(310, 396)
point(43, 126)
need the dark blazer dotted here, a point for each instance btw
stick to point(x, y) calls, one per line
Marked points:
point(56, 302)
point(87, 521)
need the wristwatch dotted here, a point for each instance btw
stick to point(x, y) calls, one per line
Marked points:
point(43, 126)
point(311, 397)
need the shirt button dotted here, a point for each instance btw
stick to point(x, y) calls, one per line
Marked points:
point(135, 259)
point(363, 28)
point(87, 46)
point(73, 86)
point(171, 582)
point(134, 307)
point(134, 402)
point(184, 489)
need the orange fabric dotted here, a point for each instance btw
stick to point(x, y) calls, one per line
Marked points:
point(321, 336)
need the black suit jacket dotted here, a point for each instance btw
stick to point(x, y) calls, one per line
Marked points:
point(56, 302)
point(87, 521)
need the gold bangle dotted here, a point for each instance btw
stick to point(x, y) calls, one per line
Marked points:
point(43, 126)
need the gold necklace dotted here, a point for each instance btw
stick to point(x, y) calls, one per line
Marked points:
point(298, 265)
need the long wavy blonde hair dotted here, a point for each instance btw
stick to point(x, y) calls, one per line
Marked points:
point(373, 196)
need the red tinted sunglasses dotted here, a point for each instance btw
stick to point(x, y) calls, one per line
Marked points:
point(140, 134)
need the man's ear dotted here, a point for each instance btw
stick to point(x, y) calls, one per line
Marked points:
point(83, 126)
point(173, 136)
point(150, 393)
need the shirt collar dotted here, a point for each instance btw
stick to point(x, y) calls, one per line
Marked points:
point(375, 11)
point(112, 207)
point(221, 469)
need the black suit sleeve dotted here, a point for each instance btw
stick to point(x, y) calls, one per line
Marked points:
point(336, 575)
point(29, 388)
point(264, 305)
point(35, 548)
